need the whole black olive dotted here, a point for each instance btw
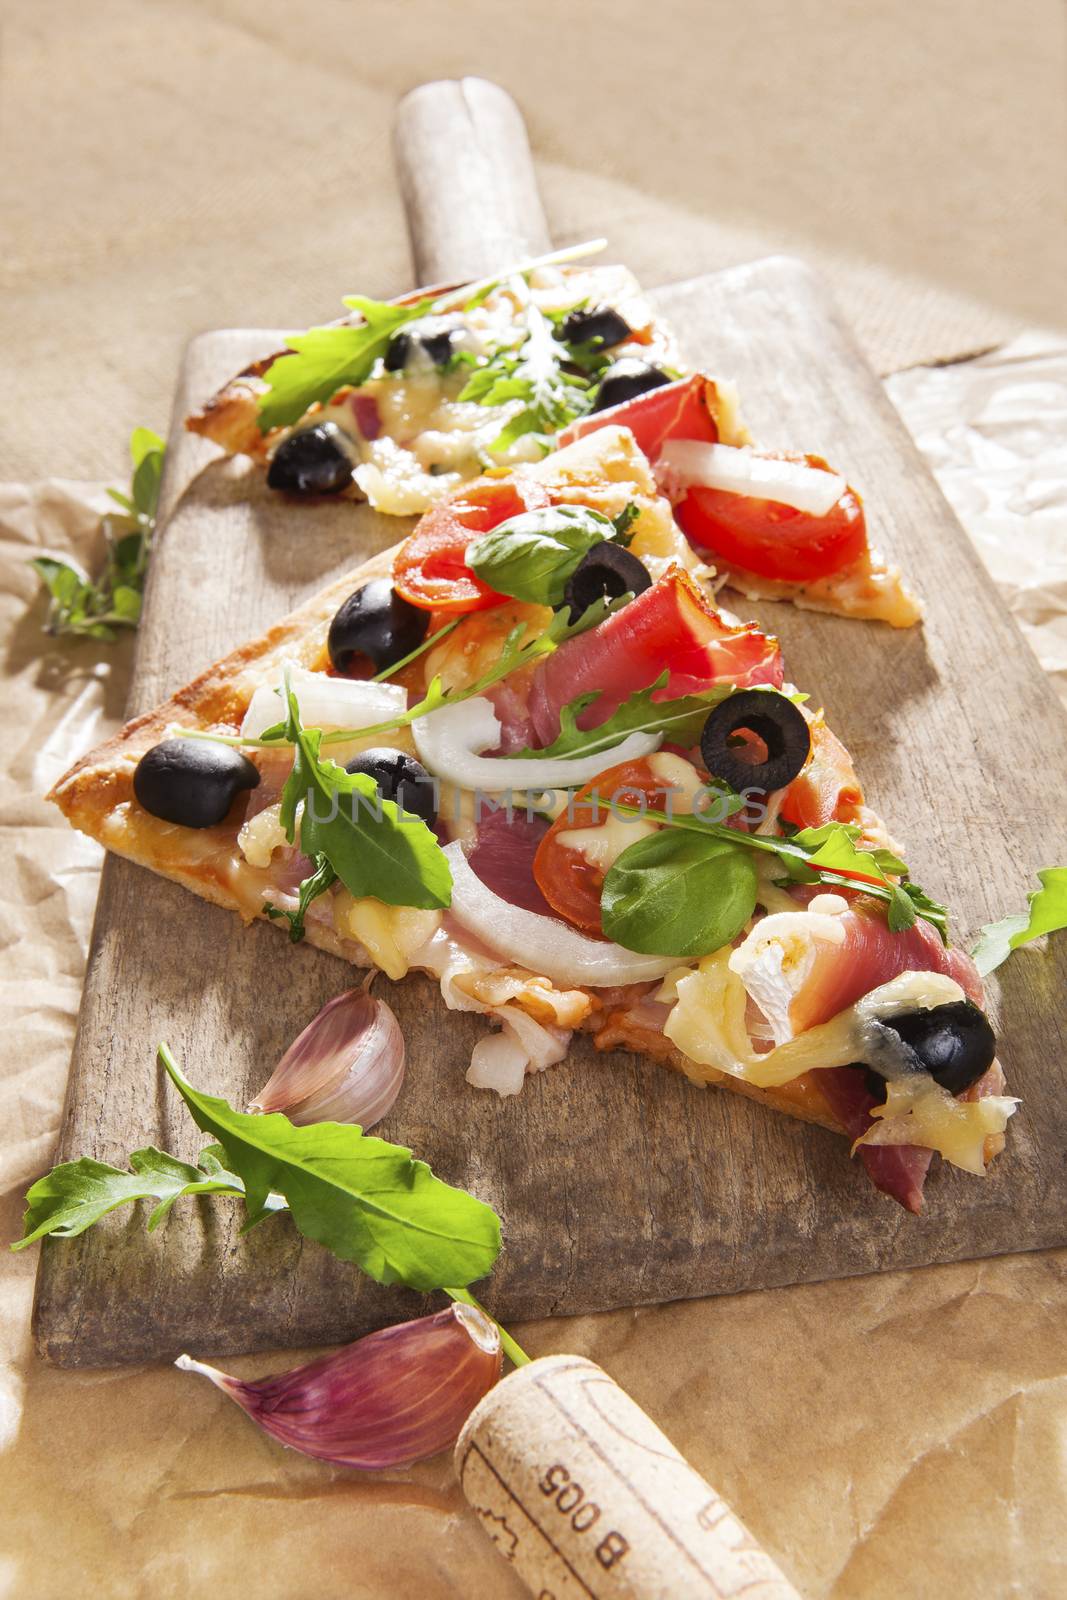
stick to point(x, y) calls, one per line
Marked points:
point(400, 778)
point(605, 572)
point(434, 344)
point(192, 781)
point(315, 460)
point(775, 720)
point(954, 1043)
point(376, 624)
point(600, 325)
point(625, 380)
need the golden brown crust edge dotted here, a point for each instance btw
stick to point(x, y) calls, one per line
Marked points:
point(210, 698)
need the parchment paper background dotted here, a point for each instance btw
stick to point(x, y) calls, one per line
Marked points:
point(173, 167)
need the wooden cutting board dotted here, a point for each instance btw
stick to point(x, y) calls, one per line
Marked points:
point(618, 1183)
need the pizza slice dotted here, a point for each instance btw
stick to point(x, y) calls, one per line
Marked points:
point(525, 752)
point(403, 402)
point(777, 525)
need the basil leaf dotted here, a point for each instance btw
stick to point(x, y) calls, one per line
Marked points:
point(76, 1194)
point(677, 894)
point(1047, 913)
point(366, 1200)
point(532, 556)
point(323, 360)
point(346, 823)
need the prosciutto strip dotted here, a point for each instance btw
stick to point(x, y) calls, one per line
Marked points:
point(670, 627)
point(502, 857)
point(897, 1170)
point(683, 410)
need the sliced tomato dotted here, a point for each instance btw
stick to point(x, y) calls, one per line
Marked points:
point(569, 881)
point(687, 409)
point(772, 540)
point(431, 569)
point(828, 789)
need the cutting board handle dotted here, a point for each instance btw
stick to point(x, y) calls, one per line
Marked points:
point(467, 180)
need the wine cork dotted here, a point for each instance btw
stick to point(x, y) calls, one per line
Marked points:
point(585, 1496)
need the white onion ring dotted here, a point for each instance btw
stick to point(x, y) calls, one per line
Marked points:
point(542, 944)
point(448, 742)
point(324, 702)
point(689, 464)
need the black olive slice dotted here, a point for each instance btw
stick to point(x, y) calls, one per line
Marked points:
point(605, 572)
point(954, 1042)
point(192, 781)
point(600, 325)
point(772, 718)
point(434, 344)
point(625, 380)
point(400, 778)
point(375, 624)
point(316, 460)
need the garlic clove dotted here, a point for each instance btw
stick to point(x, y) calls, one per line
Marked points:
point(346, 1066)
point(391, 1398)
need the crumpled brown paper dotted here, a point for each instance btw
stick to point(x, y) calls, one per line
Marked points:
point(894, 1436)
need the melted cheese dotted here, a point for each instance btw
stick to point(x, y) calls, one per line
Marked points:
point(390, 934)
point(919, 1111)
point(602, 846)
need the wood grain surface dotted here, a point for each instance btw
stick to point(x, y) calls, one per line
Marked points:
point(618, 1183)
point(467, 180)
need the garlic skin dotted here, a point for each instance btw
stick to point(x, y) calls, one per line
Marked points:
point(346, 1066)
point(391, 1398)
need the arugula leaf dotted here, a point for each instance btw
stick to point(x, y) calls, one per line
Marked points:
point(629, 514)
point(519, 650)
point(366, 1200)
point(314, 885)
point(831, 848)
point(532, 556)
point(323, 360)
point(530, 370)
point(905, 900)
point(372, 849)
point(681, 719)
point(677, 894)
point(1047, 913)
point(95, 608)
point(76, 1194)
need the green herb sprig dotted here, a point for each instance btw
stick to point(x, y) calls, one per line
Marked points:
point(366, 1200)
point(1046, 913)
point(824, 855)
point(533, 556)
point(95, 608)
point(347, 828)
point(518, 650)
point(531, 371)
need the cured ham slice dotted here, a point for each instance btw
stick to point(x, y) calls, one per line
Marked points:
point(503, 854)
point(802, 969)
point(669, 627)
point(898, 1170)
point(688, 409)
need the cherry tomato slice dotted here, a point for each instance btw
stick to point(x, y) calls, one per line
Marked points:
point(771, 540)
point(430, 568)
point(568, 880)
